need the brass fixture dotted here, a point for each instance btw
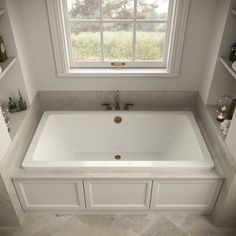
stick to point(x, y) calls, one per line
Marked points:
point(117, 64)
point(108, 106)
point(127, 106)
point(117, 157)
point(117, 119)
point(117, 105)
point(117, 100)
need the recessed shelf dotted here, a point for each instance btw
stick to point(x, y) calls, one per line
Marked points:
point(1, 12)
point(234, 12)
point(6, 65)
point(228, 65)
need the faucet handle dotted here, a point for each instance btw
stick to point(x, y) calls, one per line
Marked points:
point(108, 106)
point(127, 106)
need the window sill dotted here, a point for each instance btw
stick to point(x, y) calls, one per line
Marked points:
point(118, 72)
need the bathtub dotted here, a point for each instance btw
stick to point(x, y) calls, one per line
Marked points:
point(117, 140)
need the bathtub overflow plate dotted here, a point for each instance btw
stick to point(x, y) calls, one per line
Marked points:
point(117, 157)
point(117, 119)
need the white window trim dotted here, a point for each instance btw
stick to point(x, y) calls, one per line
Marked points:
point(61, 52)
point(128, 63)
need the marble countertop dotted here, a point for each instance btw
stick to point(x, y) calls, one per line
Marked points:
point(15, 122)
point(20, 173)
point(28, 123)
point(212, 112)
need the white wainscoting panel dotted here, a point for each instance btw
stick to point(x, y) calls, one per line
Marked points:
point(50, 195)
point(111, 194)
point(185, 195)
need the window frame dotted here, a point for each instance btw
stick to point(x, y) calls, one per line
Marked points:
point(128, 63)
point(66, 68)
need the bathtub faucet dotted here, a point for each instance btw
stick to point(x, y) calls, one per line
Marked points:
point(117, 105)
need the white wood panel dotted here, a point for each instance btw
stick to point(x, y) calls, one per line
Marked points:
point(185, 195)
point(111, 195)
point(4, 136)
point(231, 137)
point(50, 195)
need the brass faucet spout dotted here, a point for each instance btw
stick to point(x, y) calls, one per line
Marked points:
point(117, 105)
point(117, 100)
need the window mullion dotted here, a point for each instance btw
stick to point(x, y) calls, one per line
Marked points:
point(117, 20)
point(134, 31)
point(101, 31)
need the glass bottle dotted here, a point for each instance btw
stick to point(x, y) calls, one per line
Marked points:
point(12, 105)
point(22, 103)
point(3, 53)
point(222, 108)
point(231, 110)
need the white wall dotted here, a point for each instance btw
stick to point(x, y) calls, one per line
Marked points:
point(14, 79)
point(216, 80)
point(214, 47)
point(222, 82)
point(33, 21)
point(20, 36)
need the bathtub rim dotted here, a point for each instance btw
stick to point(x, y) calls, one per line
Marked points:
point(30, 163)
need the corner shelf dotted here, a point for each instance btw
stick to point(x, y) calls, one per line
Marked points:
point(6, 65)
point(234, 12)
point(228, 65)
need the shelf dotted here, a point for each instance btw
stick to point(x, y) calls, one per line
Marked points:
point(228, 65)
point(1, 12)
point(6, 65)
point(234, 12)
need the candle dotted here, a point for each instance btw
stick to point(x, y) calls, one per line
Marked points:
point(220, 117)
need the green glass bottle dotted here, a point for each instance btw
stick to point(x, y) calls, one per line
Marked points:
point(3, 53)
point(22, 103)
point(12, 105)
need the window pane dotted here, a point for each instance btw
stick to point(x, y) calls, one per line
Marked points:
point(150, 41)
point(118, 39)
point(83, 9)
point(152, 9)
point(113, 9)
point(86, 43)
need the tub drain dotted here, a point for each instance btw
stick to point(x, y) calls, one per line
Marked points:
point(117, 119)
point(117, 157)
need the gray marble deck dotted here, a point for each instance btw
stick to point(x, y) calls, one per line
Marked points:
point(120, 225)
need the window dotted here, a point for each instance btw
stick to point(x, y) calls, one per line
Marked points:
point(117, 34)
point(132, 32)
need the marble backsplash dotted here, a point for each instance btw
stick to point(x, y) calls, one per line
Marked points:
point(92, 100)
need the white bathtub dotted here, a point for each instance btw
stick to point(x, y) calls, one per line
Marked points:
point(92, 140)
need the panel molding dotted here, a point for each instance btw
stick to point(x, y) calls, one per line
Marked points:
point(19, 185)
point(208, 206)
point(92, 206)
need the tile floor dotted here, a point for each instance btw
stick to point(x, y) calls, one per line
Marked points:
point(120, 225)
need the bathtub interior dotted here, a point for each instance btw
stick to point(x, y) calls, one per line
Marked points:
point(139, 137)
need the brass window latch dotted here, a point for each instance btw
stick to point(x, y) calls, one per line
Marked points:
point(117, 64)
